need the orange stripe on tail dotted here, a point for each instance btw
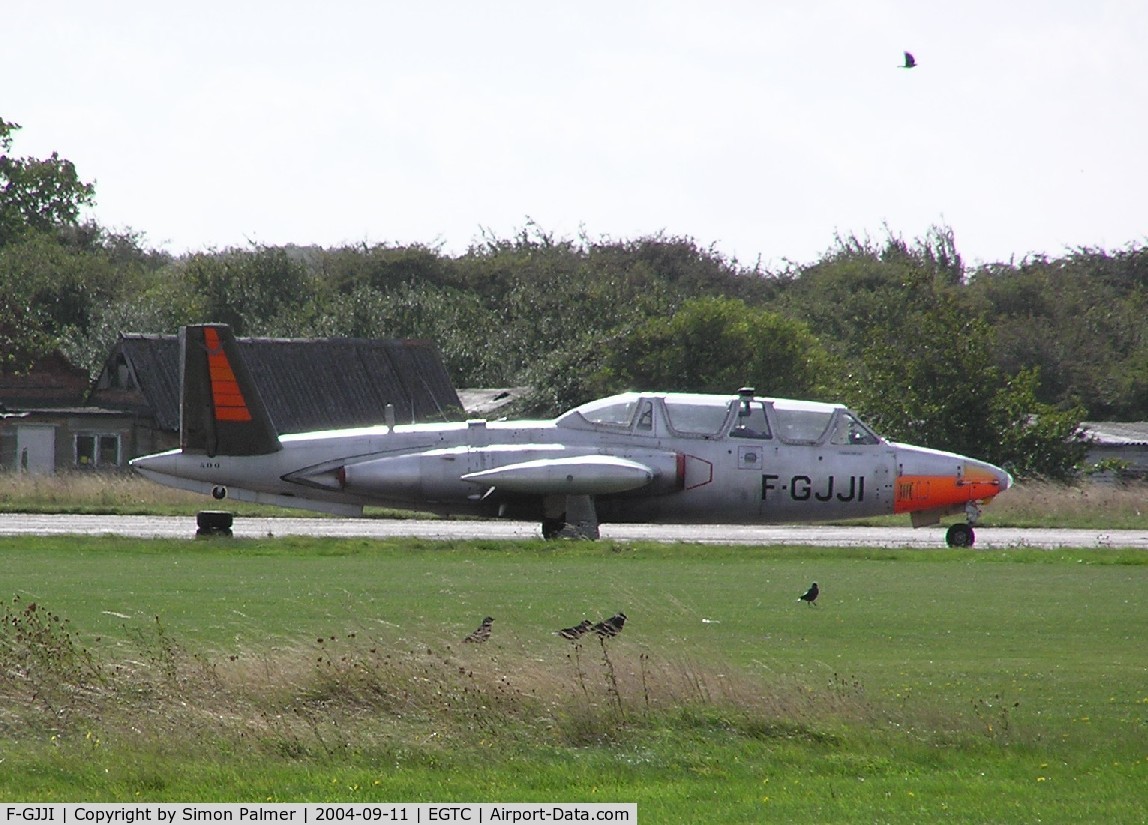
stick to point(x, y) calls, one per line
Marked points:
point(226, 396)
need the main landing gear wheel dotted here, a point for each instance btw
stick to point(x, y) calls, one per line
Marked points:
point(960, 535)
point(213, 523)
point(552, 527)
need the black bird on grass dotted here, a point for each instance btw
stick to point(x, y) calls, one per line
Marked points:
point(576, 631)
point(810, 595)
point(610, 627)
point(482, 632)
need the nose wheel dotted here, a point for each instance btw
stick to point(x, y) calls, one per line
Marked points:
point(960, 535)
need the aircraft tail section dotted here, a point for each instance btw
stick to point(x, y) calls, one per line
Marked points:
point(221, 411)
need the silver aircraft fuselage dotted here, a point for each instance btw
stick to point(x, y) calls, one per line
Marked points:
point(634, 457)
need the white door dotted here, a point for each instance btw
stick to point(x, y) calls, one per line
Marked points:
point(36, 448)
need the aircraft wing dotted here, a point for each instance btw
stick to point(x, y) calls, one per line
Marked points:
point(569, 475)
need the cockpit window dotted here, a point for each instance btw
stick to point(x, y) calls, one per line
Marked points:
point(616, 411)
point(848, 430)
point(696, 415)
point(646, 417)
point(802, 426)
point(750, 421)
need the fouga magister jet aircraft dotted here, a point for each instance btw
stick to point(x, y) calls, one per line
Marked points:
point(634, 457)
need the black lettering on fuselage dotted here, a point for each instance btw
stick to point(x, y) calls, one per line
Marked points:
point(767, 484)
point(802, 488)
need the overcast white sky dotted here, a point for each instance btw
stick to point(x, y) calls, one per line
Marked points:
point(762, 128)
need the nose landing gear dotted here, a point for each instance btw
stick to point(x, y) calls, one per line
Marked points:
point(963, 535)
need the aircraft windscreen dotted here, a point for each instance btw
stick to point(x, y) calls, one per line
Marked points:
point(849, 430)
point(697, 415)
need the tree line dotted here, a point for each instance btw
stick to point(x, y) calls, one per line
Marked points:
point(1000, 361)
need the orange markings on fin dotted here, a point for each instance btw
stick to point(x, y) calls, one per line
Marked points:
point(226, 395)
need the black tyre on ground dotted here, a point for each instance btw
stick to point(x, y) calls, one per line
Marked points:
point(214, 523)
point(960, 535)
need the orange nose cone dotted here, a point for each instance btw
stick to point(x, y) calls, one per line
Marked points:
point(985, 480)
point(934, 480)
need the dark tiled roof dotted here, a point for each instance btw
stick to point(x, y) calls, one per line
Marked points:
point(1118, 433)
point(50, 380)
point(310, 383)
point(154, 363)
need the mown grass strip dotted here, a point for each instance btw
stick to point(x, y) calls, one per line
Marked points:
point(973, 686)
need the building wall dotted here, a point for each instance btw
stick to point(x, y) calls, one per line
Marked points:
point(28, 446)
point(1133, 456)
point(80, 442)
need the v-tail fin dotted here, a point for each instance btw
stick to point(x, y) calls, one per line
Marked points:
point(221, 411)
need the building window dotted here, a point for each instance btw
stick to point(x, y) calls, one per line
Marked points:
point(97, 450)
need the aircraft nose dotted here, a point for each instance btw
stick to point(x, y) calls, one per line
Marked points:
point(1000, 477)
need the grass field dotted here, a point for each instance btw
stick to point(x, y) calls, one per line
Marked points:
point(967, 686)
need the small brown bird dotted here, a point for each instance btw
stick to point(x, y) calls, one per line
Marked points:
point(610, 627)
point(576, 631)
point(810, 595)
point(482, 632)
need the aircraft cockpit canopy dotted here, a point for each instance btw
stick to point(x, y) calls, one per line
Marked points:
point(710, 416)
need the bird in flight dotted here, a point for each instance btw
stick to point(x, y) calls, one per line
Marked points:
point(910, 61)
point(482, 632)
point(810, 595)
